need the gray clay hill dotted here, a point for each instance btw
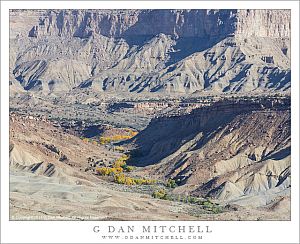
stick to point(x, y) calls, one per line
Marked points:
point(150, 114)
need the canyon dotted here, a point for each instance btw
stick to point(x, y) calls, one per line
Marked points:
point(231, 154)
point(150, 114)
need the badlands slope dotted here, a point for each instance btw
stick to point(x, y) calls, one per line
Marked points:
point(49, 181)
point(157, 51)
point(208, 91)
point(234, 151)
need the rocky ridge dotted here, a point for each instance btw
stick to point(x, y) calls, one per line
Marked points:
point(167, 51)
point(232, 150)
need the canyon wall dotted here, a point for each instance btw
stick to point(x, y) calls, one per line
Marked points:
point(227, 150)
point(180, 23)
point(168, 51)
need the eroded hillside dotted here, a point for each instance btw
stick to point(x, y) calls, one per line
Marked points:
point(165, 51)
point(231, 160)
point(150, 114)
point(230, 150)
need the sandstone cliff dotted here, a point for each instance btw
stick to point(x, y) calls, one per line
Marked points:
point(180, 23)
point(171, 51)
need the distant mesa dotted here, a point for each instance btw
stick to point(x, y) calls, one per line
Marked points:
point(151, 51)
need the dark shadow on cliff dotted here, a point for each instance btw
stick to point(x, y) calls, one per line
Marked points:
point(283, 153)
point(193, 35)
point(189, 45)
point(164, 137)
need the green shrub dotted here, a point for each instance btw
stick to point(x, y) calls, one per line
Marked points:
point(161, 194)
point(216, 209)
point(171, 183)
point(207, 204)
point(128, 168)
point(193, 200)
point(212, 207)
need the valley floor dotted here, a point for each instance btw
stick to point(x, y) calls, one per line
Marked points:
point(54, 176)
point(35, 197)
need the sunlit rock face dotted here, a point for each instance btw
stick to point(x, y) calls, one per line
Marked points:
point(166, 51)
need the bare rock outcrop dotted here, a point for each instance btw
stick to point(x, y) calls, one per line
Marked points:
point(167, 51)
point(180, 23)
point(229, 150)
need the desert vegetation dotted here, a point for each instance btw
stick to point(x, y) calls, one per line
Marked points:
point(117, 170)
point(206, 204)
point(118, 137)
point(106, 171)
point(104, 140)
point(119, 149)
point(171, 183)
point(89, 140)
point(123, 179)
